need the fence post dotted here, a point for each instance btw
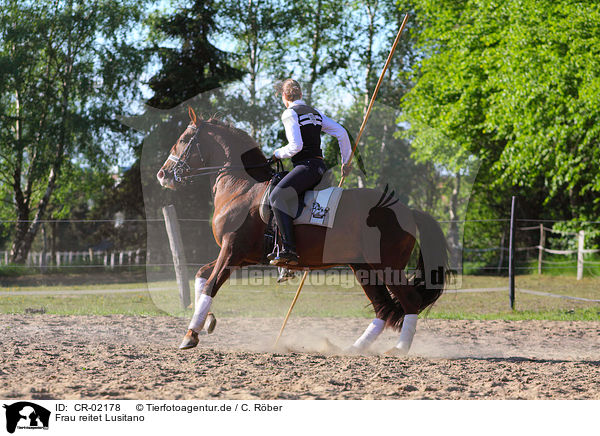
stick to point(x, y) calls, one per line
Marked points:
point(580, 247)
point(178, 254)
point(511, 254)
point(541, 248)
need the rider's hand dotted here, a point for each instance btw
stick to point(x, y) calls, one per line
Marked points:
point(272, 160)
point(346, 168)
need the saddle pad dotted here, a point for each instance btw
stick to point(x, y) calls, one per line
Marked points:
point(320, 207)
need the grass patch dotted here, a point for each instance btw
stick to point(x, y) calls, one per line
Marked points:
point(318, 299)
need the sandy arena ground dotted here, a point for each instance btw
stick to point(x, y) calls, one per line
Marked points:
point(124, 357)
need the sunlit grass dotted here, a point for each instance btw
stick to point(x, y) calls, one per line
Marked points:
point(319, 298)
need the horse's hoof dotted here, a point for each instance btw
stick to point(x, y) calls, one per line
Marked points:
point(396, 352)
point(190, 340)
point(210, 323)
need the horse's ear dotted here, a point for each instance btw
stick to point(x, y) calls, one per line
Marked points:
point(192, 114)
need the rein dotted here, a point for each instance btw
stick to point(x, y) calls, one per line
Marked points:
point(182, 166)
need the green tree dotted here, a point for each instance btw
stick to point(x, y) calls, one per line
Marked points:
point(66, 70)
point(515, 84)
point(194, 65)
point(258, 31)
point(194, 71)
point(316, 42)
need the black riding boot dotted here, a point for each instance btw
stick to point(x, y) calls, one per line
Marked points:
point(288, 255)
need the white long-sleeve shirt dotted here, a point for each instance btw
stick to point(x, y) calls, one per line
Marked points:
point(292, 133)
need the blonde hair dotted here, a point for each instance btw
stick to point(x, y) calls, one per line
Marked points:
point(290, 89)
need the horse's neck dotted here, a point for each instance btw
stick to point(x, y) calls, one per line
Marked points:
point(237, 190)
point(236, 194)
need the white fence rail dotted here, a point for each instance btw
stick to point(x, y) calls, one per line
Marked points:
point(581, 250)
point(109, 259)
point(541, 248)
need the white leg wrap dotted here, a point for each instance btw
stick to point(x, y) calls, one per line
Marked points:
point(198, 287)
point(202, 306)
point(409, 327)
point(370, 334)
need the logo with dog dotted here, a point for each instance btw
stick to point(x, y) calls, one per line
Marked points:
point(24, 415)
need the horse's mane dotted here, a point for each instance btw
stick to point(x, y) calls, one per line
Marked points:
point(217, 121)
point(252, 155)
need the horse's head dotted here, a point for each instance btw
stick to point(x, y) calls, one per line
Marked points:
point(381, 212)
point(185, 156)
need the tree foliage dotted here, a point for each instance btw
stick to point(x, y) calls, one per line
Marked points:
point(194, 64)
point(66, 70)
point(516, 84)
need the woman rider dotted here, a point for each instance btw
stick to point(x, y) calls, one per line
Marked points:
point(303, 125)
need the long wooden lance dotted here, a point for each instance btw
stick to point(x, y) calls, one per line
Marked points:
point(360, 132)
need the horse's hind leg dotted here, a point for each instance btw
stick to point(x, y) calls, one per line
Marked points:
point(381, 301)
point(411, 301)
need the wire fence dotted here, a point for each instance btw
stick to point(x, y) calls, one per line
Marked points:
point(541, 262)
point(117, 244)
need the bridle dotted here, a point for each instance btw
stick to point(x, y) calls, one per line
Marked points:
point(182, 165)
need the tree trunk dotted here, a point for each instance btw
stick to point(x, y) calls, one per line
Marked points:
point(26, 231)
point(314, 62)
point(21, 202)
point(44, 249)
point(253, 65)
point(382, 152)
point(371, 12)
point(22, 245)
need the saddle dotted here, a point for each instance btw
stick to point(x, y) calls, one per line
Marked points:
point(266, 214)
point(323, 204)
point(314, 208)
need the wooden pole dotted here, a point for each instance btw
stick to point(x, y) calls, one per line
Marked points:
point(291, 308)
point(176, 244)
point(360, 132)
point(541, 249)
point(580, 247)
point(511, 255)
point(385, 67)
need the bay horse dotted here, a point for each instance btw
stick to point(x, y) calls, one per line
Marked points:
point(373, 233)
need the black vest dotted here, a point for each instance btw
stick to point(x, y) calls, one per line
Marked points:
point(310, 129)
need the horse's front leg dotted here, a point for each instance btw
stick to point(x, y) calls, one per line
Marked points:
point(202, 277)
point(206, 289)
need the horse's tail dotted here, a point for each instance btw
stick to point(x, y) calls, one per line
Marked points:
point(431, 274)
point(433, 259)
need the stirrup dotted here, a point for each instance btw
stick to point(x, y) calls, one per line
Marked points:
point(272, 255)
point(286, 258)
